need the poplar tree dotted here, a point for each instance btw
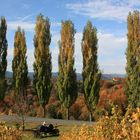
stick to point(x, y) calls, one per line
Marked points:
point(91, 73)
point(66, 82)
point(19, 63)
point(3, 55)
point(133, 59)
point(42, 64)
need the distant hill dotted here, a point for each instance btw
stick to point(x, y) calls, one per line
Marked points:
point(79, 76)
point(110, 76)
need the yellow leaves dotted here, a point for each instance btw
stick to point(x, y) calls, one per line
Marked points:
point(78, 133)
point(7, 133)
point(135, 116)
point(109, 128)
point(16, 52)
point(19, 43)
point(138, 110)
point(67, 45)
point(42, 39)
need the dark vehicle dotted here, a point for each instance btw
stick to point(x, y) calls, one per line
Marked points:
point(44, 130)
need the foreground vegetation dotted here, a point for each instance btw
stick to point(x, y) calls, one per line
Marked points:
point(92, 102)
point(9, 133)
point(66, 91)
point(12, 131)
point(114, 127)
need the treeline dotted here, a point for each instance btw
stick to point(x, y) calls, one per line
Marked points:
point(67, 80)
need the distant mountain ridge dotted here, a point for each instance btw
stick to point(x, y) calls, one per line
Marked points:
point(79, 75)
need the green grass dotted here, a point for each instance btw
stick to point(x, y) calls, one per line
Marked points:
point(62, 129)
point(28, 134)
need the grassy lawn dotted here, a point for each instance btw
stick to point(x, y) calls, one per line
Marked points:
point(28, 134)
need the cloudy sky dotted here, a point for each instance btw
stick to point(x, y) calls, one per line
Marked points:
point(109, 17)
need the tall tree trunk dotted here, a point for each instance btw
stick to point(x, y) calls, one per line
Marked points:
point(67, 114)
point(44, 111)
point(23, 122)
point(90, 116)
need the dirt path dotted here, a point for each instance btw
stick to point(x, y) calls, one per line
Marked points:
point(8, 118)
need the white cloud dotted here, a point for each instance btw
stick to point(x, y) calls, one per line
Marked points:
point(78, 53)
point(55, 24)
point(55, 50)
point(9, 58)
point(26, 25)
point(13, 25)
point(30, 58)
point(110, 61)
point(105, 9)
point(109, 43)
point(114, 65)
point(30, 53)
point(27, 17)
point(111, 53)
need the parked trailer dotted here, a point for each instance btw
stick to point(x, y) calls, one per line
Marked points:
point(44, 130)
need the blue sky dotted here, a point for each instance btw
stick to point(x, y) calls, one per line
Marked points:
point(109, 17)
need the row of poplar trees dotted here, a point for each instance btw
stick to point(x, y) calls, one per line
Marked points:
point(3, 56)
point(66, 80)
point(133, 59)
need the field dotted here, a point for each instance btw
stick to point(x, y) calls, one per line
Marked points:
point(28, 133)
point(113, 127)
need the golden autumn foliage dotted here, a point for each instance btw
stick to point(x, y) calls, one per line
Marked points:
point(91, 74)
point(42, 64)
point(66, 80)
point(115, 127)
point(8, 133)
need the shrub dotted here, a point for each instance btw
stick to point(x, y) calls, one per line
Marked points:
point(32, 113)
point(98, 113)
point(107, 84)
point(115, 127)
point(84, 114)
point(8, 101)
point(40, 111)
point(53, 110)
point(75, 111)
point(8, 133)
point(82, 133)
point(79, 109)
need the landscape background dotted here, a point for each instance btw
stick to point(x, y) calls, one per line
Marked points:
point(108, 16)
point(82, 67)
